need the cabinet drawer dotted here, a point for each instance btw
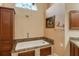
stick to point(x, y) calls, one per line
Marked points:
point(45, 51)
point(28, 53)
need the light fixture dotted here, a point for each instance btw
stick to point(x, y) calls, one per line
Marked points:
point(33, 3)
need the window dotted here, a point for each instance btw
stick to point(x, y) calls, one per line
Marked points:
point(31, 6)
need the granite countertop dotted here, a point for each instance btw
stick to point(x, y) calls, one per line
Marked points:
point(75, 40)
point(51, 42)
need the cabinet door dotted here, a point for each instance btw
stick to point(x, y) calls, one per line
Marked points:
point(28, 53)
point(72, 49)
point(6, 30)
point(76, 51)
point(74, 19)
point(6, 24)
point(6, 45)
point(45, 51)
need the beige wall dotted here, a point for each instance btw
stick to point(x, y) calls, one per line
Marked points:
point(34, 25)
point(70, 33)
point(57, 34)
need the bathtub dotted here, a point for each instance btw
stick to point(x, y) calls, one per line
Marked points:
point(30, 44)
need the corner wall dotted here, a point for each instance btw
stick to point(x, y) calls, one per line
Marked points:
point(57, 34)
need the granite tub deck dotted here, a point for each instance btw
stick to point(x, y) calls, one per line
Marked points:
point(15, 52)
point(75, 41)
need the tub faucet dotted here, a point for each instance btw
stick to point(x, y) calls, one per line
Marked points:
point(27, 35)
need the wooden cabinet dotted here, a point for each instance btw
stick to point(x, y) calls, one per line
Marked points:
point(45, 51)
point(28, 53)
point(6, 30)
point(74, 19)
point(74, 50)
